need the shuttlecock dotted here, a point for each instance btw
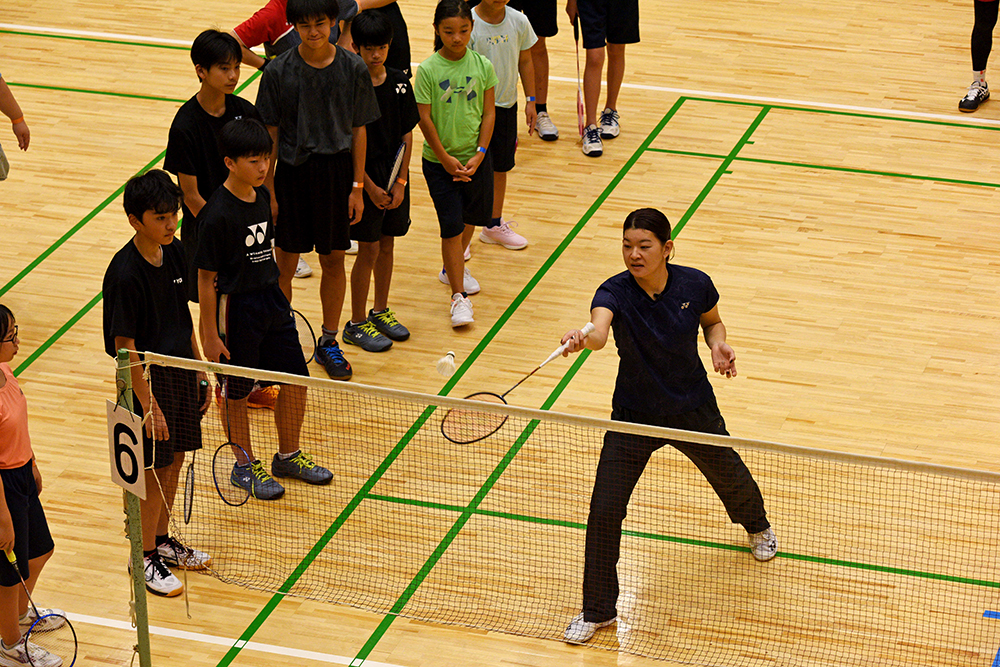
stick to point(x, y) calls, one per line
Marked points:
point(446, 364)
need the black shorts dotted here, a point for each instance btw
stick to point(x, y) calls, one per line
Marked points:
point(377, 222)
point(542, 15)
point(180, 399)
point(608, 22)
point(460, 203)
point(503, 144)
point(312, 204)
point(259, 331)
point(31, 531)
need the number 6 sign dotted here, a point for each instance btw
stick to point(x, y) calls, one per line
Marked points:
point(125, 441)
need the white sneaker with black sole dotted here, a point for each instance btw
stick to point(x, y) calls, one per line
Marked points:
point(609, 124)
point(159, 579)
point(546, 128)
point(592, 145)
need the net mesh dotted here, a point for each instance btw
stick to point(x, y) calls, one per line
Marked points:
point(879, 563)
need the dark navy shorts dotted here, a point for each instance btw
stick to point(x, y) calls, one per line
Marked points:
point(312, 204)
point(180, 398)
point(459, 203)
point(377, 222)
point(503, 144)
point(608, 21)
point(31, 531)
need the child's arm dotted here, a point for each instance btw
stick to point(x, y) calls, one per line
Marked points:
point(192, 198)
point(11, 109)
point(211, 343)
point(379, 197)
point(450, 164)
point(485, 133)
point(526, 69)
point(359, 149)
point(6, 524)
point(399, 189)
point(249, 57)
point(157, 426)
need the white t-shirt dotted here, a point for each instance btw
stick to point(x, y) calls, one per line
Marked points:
point(502, 44)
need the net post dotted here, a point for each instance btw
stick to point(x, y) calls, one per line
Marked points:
point(135, 528)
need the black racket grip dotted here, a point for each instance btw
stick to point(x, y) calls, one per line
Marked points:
point(576, 28)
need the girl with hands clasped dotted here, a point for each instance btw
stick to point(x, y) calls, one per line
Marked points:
point(656, 309)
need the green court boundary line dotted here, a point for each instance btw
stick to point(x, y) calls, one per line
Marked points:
point(803, 165)
point(269, 607)
point(100, 40)
point(820, 560)
point(87, 91)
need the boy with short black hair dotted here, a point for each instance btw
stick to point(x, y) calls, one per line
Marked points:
point(145, 309)
point(316, 100)
point(192, 147)
point(245, 318)
point(386, 212)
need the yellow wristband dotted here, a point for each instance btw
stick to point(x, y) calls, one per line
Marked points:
point(17, 120)
point(358, 185)
point(401, 181)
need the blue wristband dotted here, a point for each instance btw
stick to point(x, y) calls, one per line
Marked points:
point(529, 99)
point(480, 149)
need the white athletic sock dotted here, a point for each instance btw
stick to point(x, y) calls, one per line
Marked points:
point(285, 457)
point(979, 76)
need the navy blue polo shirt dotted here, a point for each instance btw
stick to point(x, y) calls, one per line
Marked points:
point(659, 371)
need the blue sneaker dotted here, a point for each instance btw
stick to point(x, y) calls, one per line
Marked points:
point(255, 479)
point(300, 466)
point(332, 358)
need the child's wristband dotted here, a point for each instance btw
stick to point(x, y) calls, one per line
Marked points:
point(358, 185)
point(480, 149)
point(401, 181)
point(15, 121)
point(529, 99)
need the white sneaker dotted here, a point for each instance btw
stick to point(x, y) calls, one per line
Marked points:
point(546, 129)
point(468, 252)
point(303, 270)
point(592, 145)
point(580, 631)
point(353, 250)
point(764, 545)
point(18, 655)
point(469, 284)
point(503, 235)
point(609, 124)
point(159, 579)
point(50, 621)
point(175, 554)
point(461, 310)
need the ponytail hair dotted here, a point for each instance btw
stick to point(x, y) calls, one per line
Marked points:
point(447, 9)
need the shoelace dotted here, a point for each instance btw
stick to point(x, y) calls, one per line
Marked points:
point(334, 351)
point(594, 135)
point(303, 460)
point(257, 470)
point(609, 117)
point(388, 317)
point(157, 566)
point(369, 328)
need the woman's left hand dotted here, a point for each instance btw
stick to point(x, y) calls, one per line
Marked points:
point(724, 360)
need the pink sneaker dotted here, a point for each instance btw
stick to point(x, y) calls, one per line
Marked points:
point(504, 235)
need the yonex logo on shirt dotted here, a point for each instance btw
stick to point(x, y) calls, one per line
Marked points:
point(178, 281)
point(257, 233)
point(685, 305)
point(400, 88)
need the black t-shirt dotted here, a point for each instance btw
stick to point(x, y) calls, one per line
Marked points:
point(399, 116)
point(148, 303)
point(659, 371)
point(237, 242)
point(399, 51)
point(192, 146)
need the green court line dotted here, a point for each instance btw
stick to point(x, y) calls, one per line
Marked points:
point(100, 40)
point(467, 512)
point(87, 91)
point(722, 169)
point(691, 542)
point(849, 170)
point(57, 335)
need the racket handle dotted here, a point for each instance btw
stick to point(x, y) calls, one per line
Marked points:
point(587, 329)
point(11, 557)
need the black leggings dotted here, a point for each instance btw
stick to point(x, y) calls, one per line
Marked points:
point(623, 458)
point(982, 32)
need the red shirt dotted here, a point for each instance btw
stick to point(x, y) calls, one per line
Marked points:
point(15, 444)
point(266, 26)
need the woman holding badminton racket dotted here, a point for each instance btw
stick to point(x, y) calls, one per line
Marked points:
point(23, 528)
point(656, 309)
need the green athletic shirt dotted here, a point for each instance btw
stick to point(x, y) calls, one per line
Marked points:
point(455, 89)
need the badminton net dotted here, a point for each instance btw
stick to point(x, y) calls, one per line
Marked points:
point(880, 562)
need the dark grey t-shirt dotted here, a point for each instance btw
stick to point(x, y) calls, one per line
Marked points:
point(315, 110)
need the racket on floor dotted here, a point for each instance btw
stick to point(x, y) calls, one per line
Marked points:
point(580, 117)
point(397, 166)
point(51, 632)
point(307, 337)
point(222, 474)
point(464, 427)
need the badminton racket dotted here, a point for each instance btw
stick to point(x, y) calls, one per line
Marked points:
point(51, 634)
point(307, 337)
point(397, 165)
point(579, 87)
point(222, 474)
point(189, 491)
point(464, 427)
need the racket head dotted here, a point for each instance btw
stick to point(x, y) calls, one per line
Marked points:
point(222, 472)
point(307, 337)
point(53, 633)
point(397, 165)
point(189, 493)
point(464, 427)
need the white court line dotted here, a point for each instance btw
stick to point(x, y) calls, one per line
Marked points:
point(225, 641)
point(965, 120)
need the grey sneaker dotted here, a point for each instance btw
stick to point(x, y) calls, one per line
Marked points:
point(592, 144)
point(609, 124)
point(580, 631)
point(388, 325)
point(51, 619)
point(175, 554)
point(763, 545)
point(300, 466)
point(546, 128)
point(255, 479)
point(366, 336)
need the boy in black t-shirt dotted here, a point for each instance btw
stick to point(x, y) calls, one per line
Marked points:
point(192, 147)
point(145, 308)
point(245, 318)
point(316, 100)
point(386, 213)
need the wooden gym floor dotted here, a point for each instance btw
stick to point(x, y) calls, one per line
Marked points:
point(810, 154)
